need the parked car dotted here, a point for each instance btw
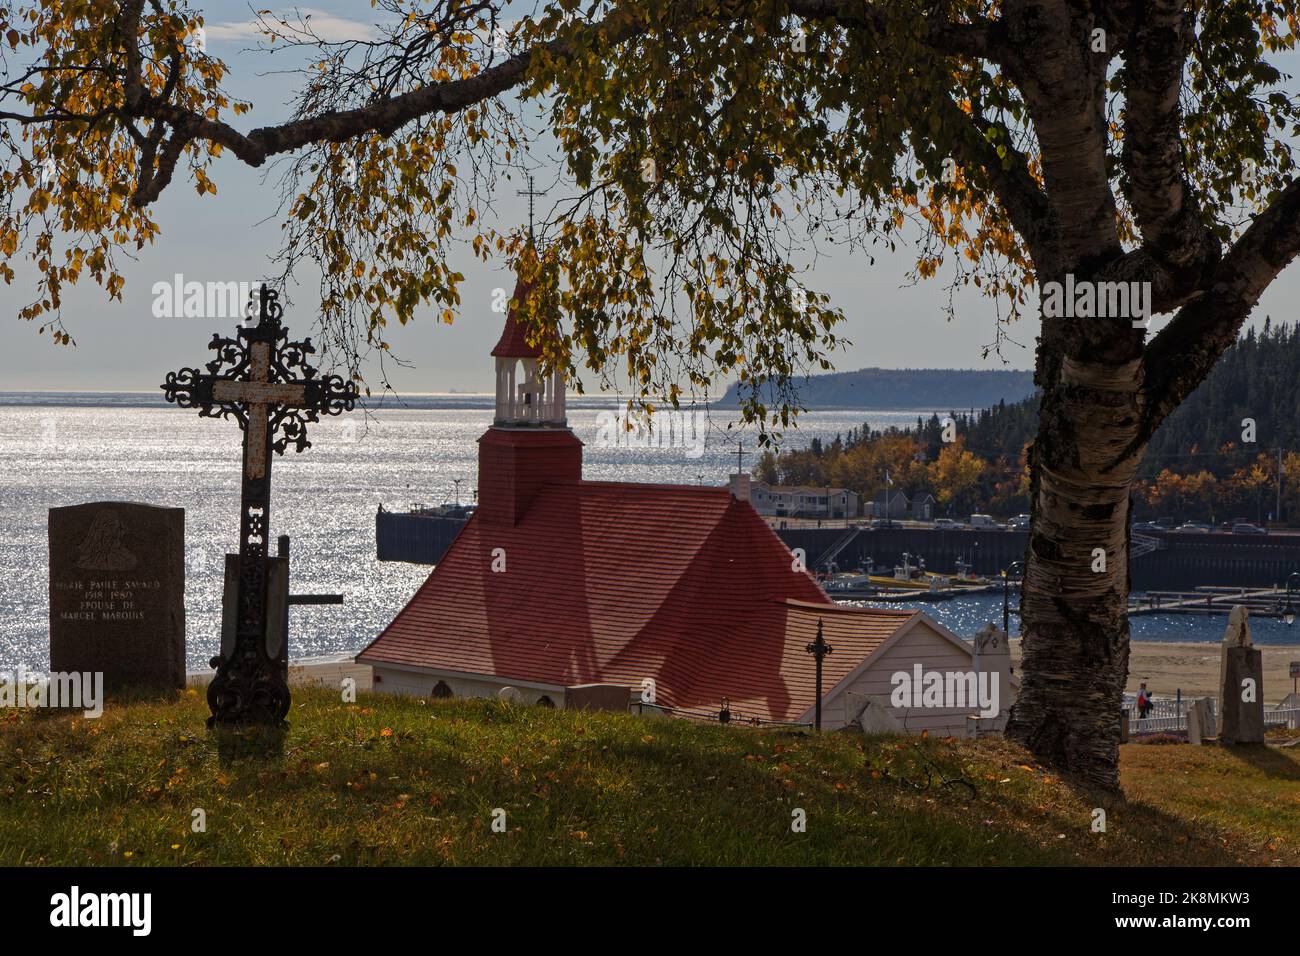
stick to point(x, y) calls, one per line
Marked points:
point(1245, 527)
point(1018, 523)
point(1193, 527)
point(946, 523)
point(983, 521)
point(1149, 526)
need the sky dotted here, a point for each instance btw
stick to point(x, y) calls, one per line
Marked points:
point(121, 346)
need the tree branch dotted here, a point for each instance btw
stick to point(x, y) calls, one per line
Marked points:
point(1176, 239)
point(388, 114)
point(977, 39)
point(1178, 359)
point(385, 115)
point(1016, 190)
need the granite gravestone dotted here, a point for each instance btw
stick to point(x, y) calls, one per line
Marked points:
point(993, 657)
point(1241, 678)
point(1200, 721)
point(877, 717)
point(117, 593)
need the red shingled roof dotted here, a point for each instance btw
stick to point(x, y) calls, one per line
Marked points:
point(614, 583)
point(514, 342)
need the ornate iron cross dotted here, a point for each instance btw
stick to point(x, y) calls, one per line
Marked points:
point(264, 382)
point(820, 650)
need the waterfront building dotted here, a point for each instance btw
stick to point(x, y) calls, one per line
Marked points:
point(804, 501)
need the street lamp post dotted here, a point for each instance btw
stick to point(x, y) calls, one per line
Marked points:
point(1288, 612)
point(1006, 595)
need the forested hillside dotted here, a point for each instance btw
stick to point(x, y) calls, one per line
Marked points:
point(1216, 457)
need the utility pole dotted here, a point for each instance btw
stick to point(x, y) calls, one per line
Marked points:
point(888, 484)
point(1277, 515)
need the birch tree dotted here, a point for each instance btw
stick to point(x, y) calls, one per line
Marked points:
point(708, 146)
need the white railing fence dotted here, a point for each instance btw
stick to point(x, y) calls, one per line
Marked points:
point(1157, 725)
point(1163, 706)
point(1289, 718)
point(1165, 720)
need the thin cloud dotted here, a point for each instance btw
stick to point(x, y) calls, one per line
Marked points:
point(328, 26)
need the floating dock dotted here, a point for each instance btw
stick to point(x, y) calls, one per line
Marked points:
point(1261, 602)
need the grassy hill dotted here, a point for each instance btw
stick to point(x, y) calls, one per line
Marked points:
point(399, 781)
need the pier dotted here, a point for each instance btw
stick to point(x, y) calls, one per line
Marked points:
point(1176, 563)
point(1262, 602)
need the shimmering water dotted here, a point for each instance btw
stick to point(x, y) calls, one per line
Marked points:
point(967, 615)
point(70, 449)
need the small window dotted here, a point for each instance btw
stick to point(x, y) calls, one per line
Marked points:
point(441, 691)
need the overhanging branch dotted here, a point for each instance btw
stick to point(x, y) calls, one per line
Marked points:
point(1176, 240)
point(1178, 359)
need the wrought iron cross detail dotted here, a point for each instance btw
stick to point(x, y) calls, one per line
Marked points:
point(820, 650)
point(264, 382)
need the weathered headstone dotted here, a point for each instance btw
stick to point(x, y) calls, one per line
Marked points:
point(1241, 671)
point(993, 657)
point(1200, 721)
point(878, 718)
point(117, 593)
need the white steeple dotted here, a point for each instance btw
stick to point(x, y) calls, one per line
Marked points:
point(525, 398)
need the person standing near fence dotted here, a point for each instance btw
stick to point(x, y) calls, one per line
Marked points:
point(1144, 702)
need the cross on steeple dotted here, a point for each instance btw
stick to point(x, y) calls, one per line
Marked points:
point(531, 193)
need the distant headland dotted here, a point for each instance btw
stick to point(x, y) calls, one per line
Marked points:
point(908, 388)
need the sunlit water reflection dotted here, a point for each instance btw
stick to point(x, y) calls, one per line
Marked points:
point(137, 448)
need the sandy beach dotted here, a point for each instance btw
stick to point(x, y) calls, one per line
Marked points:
point(1194, 668)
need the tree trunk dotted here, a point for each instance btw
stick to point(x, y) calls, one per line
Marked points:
point(1076, 639)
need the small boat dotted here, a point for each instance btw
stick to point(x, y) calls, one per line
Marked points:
point(849, 585)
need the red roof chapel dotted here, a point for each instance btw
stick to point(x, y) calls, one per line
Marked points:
point(560, 581)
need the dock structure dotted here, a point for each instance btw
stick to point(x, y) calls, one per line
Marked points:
point(419, 536)
point(1262, 602)
point(1157, 560)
